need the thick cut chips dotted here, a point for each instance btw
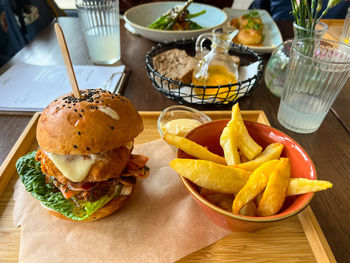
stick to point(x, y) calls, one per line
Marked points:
point(276, 189)
point(272, 152)
point(223, 201)
point(193, 148)
point(255, 184)
point(248, 210)
point(210, 175)
point(246, 144)
point(239, 187)
point(229, 143)
point(298, 186)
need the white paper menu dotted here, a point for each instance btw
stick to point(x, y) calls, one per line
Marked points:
point(25, 87)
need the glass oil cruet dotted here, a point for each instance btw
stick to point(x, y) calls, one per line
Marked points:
point(216, 67)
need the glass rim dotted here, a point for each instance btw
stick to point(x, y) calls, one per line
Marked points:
point(324, 25)
point(81, 3)
point(183, 108)
point(322, 40)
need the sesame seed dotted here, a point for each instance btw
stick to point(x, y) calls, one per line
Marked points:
point(75, 146)
point(87, 148)
point(112, 128)
point(79, 133)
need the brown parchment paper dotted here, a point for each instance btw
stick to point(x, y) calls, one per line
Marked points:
point(160, 223)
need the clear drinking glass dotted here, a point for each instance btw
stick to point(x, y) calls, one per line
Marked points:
point(317, 71)
point(100, 23)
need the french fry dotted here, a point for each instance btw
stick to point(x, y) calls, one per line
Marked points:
point(248, 210)
point(248, 181)
point(243, 158)
point(229, 142)
point(193, 148)
point(298, 186)
point(258, 199)
point(271, 152)
point(210, 175)
point(246, 144)
point(255, 184)
point(276, 189)
point(223, 201)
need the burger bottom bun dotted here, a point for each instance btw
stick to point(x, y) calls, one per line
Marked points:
point(104, 211)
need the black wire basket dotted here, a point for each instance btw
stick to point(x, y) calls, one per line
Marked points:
point(185, 93)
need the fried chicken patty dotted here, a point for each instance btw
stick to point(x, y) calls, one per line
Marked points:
point(110, 164)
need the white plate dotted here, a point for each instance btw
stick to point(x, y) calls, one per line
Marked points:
point(272, 35)
point(139, 17)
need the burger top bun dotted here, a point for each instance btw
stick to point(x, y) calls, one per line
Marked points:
point(99, 121)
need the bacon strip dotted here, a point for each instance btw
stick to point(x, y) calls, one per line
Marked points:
point(136, 161)
point(66, 192)
point(86, 186)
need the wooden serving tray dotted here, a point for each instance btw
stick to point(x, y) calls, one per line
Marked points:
point(335, 28)
point(299, 238)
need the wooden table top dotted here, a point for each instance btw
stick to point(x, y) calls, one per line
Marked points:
point(328, 147)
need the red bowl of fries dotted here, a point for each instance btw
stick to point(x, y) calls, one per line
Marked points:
point(217, 205)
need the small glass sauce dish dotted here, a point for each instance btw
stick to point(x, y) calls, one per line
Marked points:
point(179, 120)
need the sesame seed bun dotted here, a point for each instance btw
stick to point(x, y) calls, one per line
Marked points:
point(99, 121)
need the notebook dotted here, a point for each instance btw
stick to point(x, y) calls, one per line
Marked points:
point(25, 87)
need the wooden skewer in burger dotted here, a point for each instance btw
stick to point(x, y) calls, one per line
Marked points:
point(84, 169)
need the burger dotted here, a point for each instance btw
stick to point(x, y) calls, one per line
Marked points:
point(84, 169)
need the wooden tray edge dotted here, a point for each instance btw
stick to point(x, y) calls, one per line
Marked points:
point(8, 167)
point(315, 236)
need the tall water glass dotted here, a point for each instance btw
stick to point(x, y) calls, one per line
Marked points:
point(317, 71)
point(100, 23)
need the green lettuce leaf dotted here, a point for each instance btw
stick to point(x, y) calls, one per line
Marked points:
point(33, 179)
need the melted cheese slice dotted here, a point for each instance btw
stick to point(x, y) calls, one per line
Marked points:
point(74, 167)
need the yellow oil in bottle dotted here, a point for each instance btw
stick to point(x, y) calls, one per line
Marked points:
point(217, 75)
